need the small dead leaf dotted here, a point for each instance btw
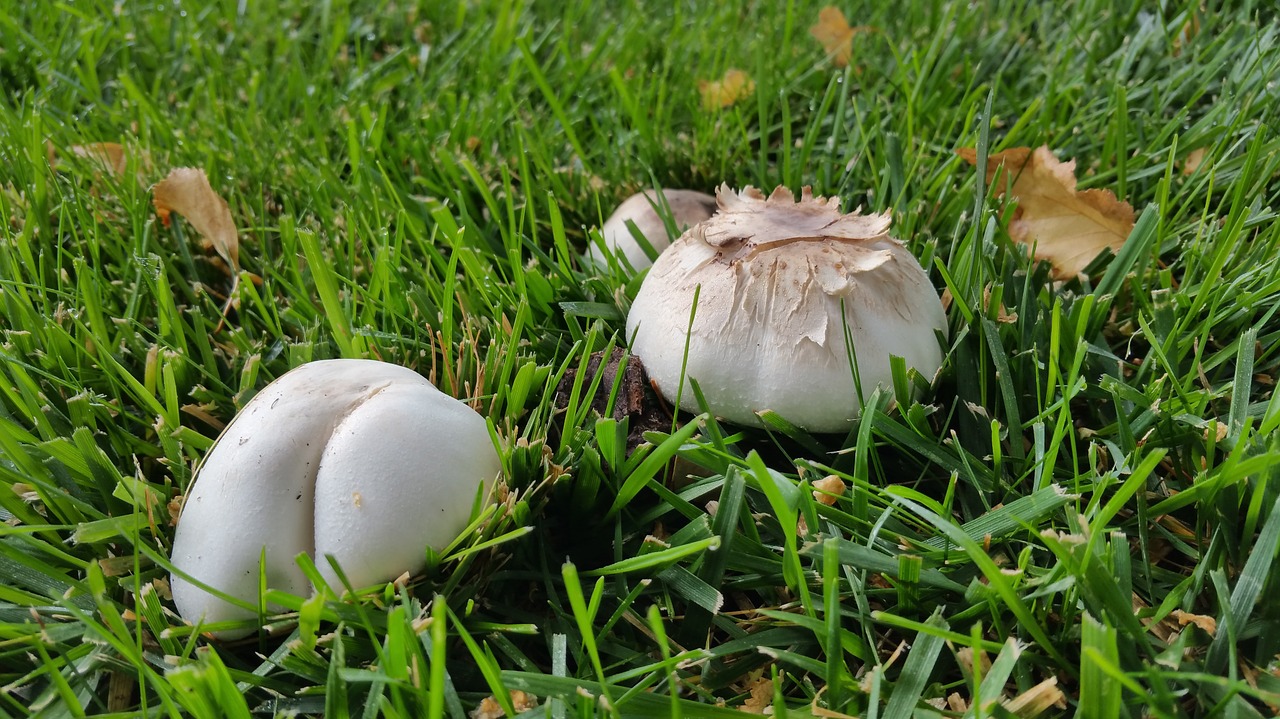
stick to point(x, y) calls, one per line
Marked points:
point(490, 709)
point(761, 696)
point(1068, 227)
point(734, 86)
point(1189, 30)
point(1163, 629)
point(1194, 159)
point(187, 191)
point(175, 509)
point(110, 158)
point(828, 489)
point(836, 36)
point(1038, 699)
point(967, 657)
point(111, 155)
point(162, 588)
point(1206, 623)
point(120, 691)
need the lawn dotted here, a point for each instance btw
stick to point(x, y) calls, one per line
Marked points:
point(1078, 516)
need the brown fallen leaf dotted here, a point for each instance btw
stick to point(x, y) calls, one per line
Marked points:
point(734, 86)
point(1068, 227)
point(187, 191)
point(835, 35)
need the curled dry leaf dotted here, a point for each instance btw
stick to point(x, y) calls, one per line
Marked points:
point(734, 86)
point(186, 191)
point(835, 35)
point(1189, 30)
point(1206, 623)
point(828, 489)
point(1068, 227)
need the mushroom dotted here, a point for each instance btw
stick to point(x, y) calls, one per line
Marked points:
point(358, 459)
point(688, 208)
point(781, 282)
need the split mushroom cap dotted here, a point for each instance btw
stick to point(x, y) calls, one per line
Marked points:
point(688, 208)
point(780, 282)
point(359, 459)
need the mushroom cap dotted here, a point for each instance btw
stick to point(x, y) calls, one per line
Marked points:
point(688, 208)
point(359, 459)
point(780, 281)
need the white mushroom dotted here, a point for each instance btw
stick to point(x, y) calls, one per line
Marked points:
point(359, 459)
point(781, 282)
point(687, 207)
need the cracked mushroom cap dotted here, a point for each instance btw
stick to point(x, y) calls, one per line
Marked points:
point(688, 208)
point(362, 460)
point(780, 281)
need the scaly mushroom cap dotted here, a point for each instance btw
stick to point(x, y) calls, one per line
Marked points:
point(688, 208)
point(781, 282)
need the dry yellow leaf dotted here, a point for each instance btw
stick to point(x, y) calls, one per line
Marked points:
point(1208, 624)
point(1068, 227)
point(835, 34)
point(734, 86)
point(828, 489)
point(186, 191)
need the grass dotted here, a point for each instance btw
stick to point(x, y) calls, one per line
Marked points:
point(1086, 498)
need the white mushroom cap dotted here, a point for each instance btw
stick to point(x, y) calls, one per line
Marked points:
point(688, 208)
point(359, 459)
point(780, 282)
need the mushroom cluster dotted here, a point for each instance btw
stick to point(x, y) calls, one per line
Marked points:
point(360, 460)
point(770, 304)
point(793, 299)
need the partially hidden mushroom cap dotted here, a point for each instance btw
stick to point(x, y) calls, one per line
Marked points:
point(781, 285)
point(688, 208)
